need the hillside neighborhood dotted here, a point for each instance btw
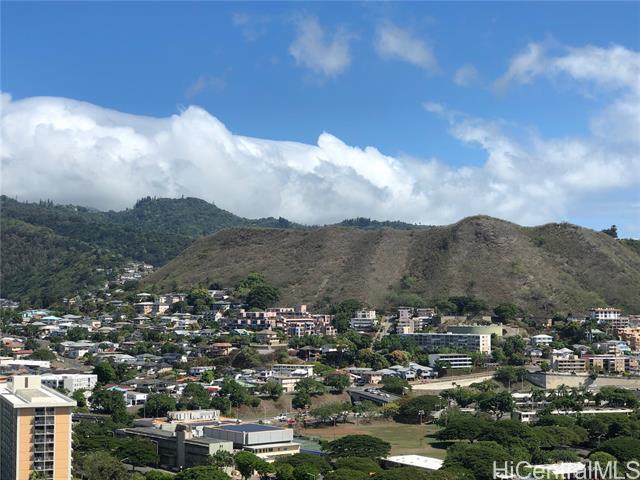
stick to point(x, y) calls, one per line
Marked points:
point(224, 378)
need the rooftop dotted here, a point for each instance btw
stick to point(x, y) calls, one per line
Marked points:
point(418, 461)
point(249, 427)
point(26, 391)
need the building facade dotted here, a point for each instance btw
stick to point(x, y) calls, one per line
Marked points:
point(463, 341)
point(35, 430)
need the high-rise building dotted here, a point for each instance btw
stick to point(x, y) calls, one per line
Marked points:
point(35, 430)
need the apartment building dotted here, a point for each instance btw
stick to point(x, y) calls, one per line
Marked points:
point(70, 381)
point(35, 430)
point(453, 360)
point(463, 341)
point(631, 335)
point(569, 364)
point(610, 363)
point(604, 314)
point(364, 320)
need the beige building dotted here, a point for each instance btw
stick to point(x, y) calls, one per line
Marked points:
point(631, 335)
point(35, 430)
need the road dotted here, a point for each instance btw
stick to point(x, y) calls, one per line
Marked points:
point(449, 383)
point(386, 325)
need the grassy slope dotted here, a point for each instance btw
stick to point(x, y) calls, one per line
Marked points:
point(547, 268)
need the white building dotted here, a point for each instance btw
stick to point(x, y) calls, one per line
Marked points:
point(454, 360)
point(465, 341)
point(364, 320)
point(70, 381)
point(602, 314)
point(293, 370)
point(541, 339)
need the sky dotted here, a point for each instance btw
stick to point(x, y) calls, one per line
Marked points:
point(422, 112)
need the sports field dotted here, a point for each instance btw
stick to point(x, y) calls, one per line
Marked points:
point(404, 439)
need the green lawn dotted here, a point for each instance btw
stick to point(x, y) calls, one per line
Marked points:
point(404, 439)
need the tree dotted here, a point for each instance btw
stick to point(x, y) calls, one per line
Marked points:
point(505, 312)
point(368, 358)
point(43, 354)
point(311, 386)
point(105, 372)
point(207, 376)
point(343, 313)
point(612, 231)
point(138, 452)
point(253, 280)
point(263, 296)
point(273, 389)
point(462, 427)
point(358, 446)
point(617, 397)
point(246, 358)
point(247, 463)
point(415, 409)
point(337, 381)
point(625, 449)
point(110, 402)
point(236, 393)
point(221, 459)
point(158, 404)
point(361, 464)
point(38, 475)
point(396, 385)
point(300, 459)
point(346, 474)
point(101, 465)
point(81, 400)
point(462, 396)
point(194, 397)
point(496, 403)
point(403, 473)
point(157, 475)
point(301, 399)
point(202, 473)
point(478, 457)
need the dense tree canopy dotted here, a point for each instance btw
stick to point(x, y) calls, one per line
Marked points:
point(358, 446)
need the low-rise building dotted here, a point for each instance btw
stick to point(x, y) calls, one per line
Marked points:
point(451, 360)
point(464, 341)
point(70, 381)
point(541, 340)
point(266, 441)
point(179, 448)
point(364, 320)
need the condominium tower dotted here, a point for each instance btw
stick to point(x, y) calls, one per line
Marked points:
point(35, 430)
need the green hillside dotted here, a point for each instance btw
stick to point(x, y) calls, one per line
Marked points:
point(51, 250)
point(555, 267)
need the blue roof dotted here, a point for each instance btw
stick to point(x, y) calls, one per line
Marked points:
point(249, 427)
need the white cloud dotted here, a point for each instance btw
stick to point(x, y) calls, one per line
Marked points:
point(252, 26)
point(615, 67)
point(465, 75)
point(75, 152)
point(392, 42)
point(328, 55)
point(204, 83)
point(524, 66)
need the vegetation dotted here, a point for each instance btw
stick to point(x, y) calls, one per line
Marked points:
point(434, 264)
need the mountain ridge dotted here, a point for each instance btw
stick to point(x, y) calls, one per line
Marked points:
point(542, 269)
point(374, 256)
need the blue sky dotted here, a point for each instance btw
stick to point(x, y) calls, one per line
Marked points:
point(237, 61)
